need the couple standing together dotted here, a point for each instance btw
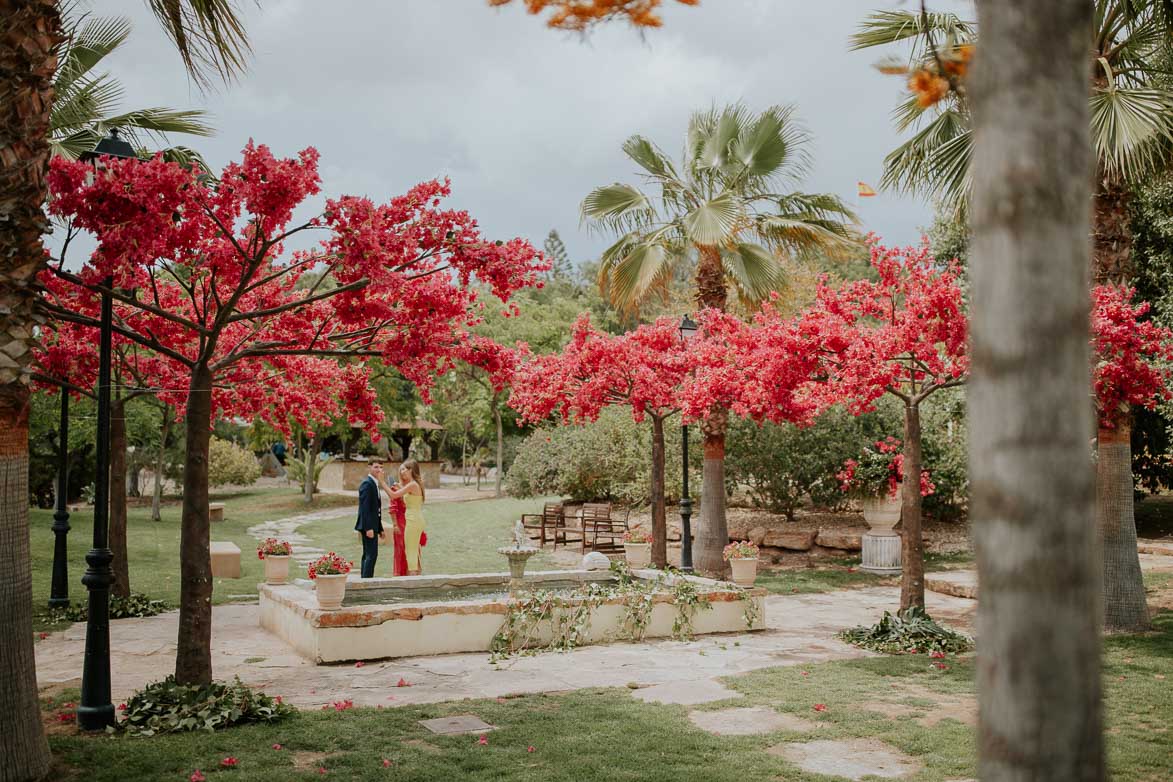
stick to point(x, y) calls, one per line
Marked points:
point(407, 500)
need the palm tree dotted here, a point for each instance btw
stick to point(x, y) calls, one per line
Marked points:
point(1131, 129)
point(725, 211)
point(211, 41)
point(84, 102)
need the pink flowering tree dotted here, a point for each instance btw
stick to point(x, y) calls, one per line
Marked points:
point(1132, 370)
point(904, 335)
point(199, 272)
point(643, 369)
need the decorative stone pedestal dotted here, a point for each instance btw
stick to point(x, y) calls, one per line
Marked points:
point(881, 554)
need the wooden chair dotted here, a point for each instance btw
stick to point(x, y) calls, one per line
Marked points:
point(603, 527)
point(550, 518)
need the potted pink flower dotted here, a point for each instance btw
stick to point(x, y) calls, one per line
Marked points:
point(742, 557)
point(275, 554)
point(637, 547)
point(874, 479)
point(328, 572)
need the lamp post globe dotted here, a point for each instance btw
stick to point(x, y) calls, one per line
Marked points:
point(96, 711)
point(688, 329)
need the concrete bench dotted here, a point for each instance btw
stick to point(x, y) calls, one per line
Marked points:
point(225, 559)
point(215, 511)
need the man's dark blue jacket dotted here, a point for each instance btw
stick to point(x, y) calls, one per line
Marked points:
point(370, 508)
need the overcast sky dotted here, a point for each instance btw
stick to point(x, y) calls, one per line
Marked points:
point(526, 120)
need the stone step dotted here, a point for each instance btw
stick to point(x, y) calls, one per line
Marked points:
point(958, 583)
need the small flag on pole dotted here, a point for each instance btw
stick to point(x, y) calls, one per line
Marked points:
point(865, 191)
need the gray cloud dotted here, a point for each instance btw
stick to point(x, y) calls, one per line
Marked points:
point(526, 120)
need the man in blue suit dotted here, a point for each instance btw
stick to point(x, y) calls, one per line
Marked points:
point(370, 518)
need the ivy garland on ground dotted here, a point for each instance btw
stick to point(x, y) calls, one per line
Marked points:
point(908, 632)
point(167, 707)
point(137, 605)
point(565, 617)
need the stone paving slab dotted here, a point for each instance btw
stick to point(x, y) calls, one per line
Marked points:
point(460, 723)
point(801, 631)
point(687, 693)
point(958, 583)
point(852, 759)
point(748, 721)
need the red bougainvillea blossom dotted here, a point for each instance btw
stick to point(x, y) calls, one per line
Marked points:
point(1132, 355)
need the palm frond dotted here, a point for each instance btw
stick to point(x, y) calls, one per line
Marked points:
point(209, 35)
point(87, 44)
point(881, 28)
point(1132, 129)
point(755, 272)
point(772, 143)
point(714, 221)
point(646, 267)
point(617, 207)
point(161, 120)
point(912, 166)
point(649, 157)
point(714, 153)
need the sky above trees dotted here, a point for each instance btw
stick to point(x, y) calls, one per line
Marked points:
point(524, 119)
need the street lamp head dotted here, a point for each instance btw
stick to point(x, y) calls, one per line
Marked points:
point(688, 328)
point(110, 146)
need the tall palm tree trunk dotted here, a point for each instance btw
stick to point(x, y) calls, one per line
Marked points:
point(1125, 607)
point(193, 652)
point(1124, 595)
point(659, 509)
point(912, 579)
point(712, 534)
point(29, 35)
point(120, 587)
point(1033, 490)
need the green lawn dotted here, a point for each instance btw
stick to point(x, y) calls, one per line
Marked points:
point(462, 538)
point(601, 735)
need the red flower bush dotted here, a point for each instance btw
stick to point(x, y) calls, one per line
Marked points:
point(1132, 355)
point(328, 565)
point(271, 547)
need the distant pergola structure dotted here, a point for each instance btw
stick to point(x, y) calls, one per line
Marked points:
point(404, 432)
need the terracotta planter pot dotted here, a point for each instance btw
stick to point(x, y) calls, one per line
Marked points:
point(745, 570)
point(882, 514)
point(638, 554)
point(330, 591)
point(276, 569)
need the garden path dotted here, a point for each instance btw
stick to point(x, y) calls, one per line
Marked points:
point(801, 630)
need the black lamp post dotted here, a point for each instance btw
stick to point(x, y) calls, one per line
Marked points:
point(96, 711)
point(687, 330)
point(59, 590)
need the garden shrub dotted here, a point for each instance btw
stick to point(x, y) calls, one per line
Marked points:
point(911, 630)
point(228, 463)
point(608, 459)
point(168, 707)
point(137, 605)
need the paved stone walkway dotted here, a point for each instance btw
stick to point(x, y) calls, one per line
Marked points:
point(801, 630)
point(286, 529)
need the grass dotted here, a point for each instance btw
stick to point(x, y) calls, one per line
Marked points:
point(463, 537)
point(842, 573)
point(595, 735)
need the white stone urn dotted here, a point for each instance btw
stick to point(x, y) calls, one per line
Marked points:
point(330, 590)
point(882, 514)
point(638, 555)
point(276, 569)
point(745, 570)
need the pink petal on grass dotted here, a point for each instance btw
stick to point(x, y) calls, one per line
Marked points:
point(278, 746)
point(196, 776)
point(820, 707)
point(530, 748)
point(386, 763)
point(483, 741)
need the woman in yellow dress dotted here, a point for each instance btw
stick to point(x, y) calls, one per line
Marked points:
point(411, 489)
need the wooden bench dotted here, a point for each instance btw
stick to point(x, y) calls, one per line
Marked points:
point(603, 527)
point(225, 559)
point(215, 511)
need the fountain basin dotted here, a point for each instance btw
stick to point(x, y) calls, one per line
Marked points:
point(409, 616)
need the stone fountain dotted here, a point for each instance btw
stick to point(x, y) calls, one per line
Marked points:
point(518, 554)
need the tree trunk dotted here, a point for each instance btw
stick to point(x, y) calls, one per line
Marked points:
point(500, 448)
point(712, 534)
point(29, 36)
point(120, 586)
point(157, 497)
point(193, 653)
point(912, 555)
point(308, 486)
point(1112, 233)
point(1125, 607)
point(464, 459)
point(1033, 490)
point(659, 509)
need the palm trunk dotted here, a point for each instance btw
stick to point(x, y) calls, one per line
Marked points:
point(193, 652)
point(500, 448)
point(120, 586)
point(157, 497)
point(659, 509)
point(712, 534)
point(1112, 233)
point(29, 36)
point(1033, 490)
point(912, 555)
point(1125, 608)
